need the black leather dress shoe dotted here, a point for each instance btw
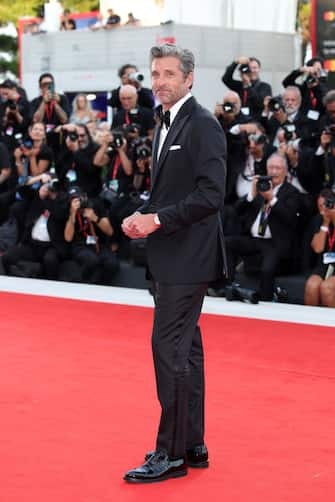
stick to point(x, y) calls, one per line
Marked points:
point(158, 467)
point(196, 457)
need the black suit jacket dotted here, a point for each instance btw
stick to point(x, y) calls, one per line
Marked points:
point(144, 98)
point(187, 192)
point(283, 217)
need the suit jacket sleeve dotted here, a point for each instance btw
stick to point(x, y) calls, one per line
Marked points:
point(207, 146)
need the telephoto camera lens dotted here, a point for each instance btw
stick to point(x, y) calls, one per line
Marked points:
point(228, 107)
point(244, 68)
point(136, 76)
point(263, 184)
point(330, 202)
point(73, 136)
point(275, 104)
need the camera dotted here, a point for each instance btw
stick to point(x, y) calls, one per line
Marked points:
point(236, 293)
point(263, 184)
point(53, 185)
point(28, 144)
point(244, 68)
point(311, 80)
point(275, 104)
point(136, 77)
point(11, 104)
point(143, 152)
point(118, 138)
point(132, 128)
point(73, 136)
point(289, 130)
point(330, 202)
point(258, 139)
point(23, 143)
point(330, 129)
point(228, 107)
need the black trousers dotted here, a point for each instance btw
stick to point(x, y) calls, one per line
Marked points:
point(271, 255)
point(35, 251)
point(96, 267)
point(179, 366)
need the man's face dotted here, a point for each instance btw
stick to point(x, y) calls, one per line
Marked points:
point(9, 93)
point(45, 84)
point(277, 170)
point(83, 139)
point(254, 70)
point(169, 84)
point(331, 111)
point(291, 101)
point(128, 100)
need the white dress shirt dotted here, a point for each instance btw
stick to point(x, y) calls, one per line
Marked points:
point(173, 112)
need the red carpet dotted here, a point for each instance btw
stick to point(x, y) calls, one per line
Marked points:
point(78, 407)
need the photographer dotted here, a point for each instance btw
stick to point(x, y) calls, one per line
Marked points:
point(250, 88)
point(129, 75)
point(283, 119)
point(89, 231)
point(131, 113)
point(269, 218)
point(258, 150)
point(79, 160)
point(42, 240)
point(323, 161)
point(50, 107)
point(236, 126)
point(320, 286)
point(14, 114)
point(313, 86)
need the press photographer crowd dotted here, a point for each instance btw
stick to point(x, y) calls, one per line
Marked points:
point(67, 181)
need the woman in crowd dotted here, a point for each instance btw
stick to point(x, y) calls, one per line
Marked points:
point(320, 286)
point(82, 110)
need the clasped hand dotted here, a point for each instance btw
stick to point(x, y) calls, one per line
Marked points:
point(137, 225)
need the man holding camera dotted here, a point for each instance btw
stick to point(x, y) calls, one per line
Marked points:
point(88, 230)
point(284, 120)
point(313, 86)
point(131, 113)
point(78, 160)
point(129, 75)
point(269, 218)
point(50, 107)
point(42, 240)
point(14, 114)
point(250, 88)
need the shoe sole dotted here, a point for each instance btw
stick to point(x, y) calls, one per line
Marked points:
point(199, 465)
point(163, 478)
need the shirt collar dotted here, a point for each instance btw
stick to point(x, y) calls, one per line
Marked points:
point(176, 107)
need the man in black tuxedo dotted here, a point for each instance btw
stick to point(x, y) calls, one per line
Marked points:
point(269, 215)
point(185, 252)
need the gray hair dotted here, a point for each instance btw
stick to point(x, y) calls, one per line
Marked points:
point(185, 56)
point(329, 98)
point(280, 156)
point(292, 88)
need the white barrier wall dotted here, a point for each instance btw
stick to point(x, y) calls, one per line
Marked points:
point(88, 61)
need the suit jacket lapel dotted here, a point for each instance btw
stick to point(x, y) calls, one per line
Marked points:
point(155, 144)
point(174, 130)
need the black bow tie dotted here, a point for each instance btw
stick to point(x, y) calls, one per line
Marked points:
point(164, 117)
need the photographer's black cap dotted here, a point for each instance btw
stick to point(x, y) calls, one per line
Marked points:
point(74, 192)
point(8, 84)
